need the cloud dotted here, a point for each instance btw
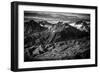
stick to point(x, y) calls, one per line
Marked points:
point(55, 15)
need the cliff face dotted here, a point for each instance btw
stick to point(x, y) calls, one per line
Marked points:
point(47, 41)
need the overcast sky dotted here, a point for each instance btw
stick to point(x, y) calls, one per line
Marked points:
point(55, 16)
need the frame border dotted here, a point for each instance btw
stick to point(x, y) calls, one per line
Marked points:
point(14, 35)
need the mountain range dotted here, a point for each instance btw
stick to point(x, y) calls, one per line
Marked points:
point(37, 35)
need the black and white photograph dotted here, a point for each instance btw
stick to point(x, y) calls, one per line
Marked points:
point(56, 36)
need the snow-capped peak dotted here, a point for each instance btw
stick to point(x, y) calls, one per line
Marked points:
point(80, 26)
